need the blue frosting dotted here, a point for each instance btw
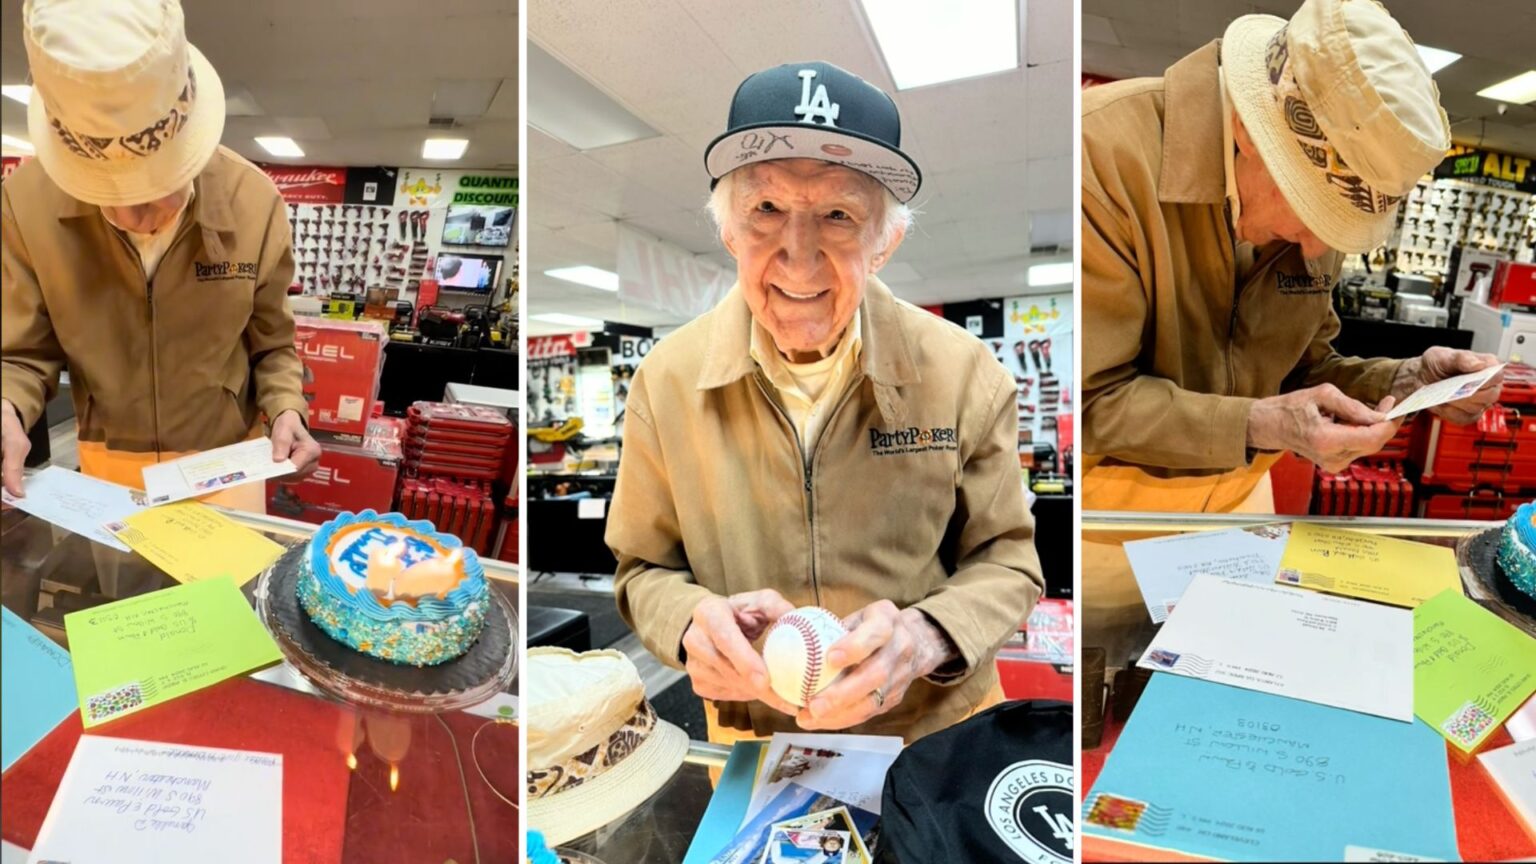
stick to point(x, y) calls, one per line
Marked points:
point(1525, 524)
point(1517, 550)
point(473, 587)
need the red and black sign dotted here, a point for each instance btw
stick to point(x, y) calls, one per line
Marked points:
point(309, 184)
point(8, 164)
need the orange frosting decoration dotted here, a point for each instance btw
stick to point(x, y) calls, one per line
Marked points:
point(434, 576)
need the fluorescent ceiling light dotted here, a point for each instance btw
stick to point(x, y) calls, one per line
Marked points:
point(283, 147)
point(928, 43)
point(1050, 274)
point(1516, 91)
point(1437, 58)
point(566, 320)
point(592, 277)
point(566, 106)
point(444, 148)
point(20, 92)
point(16, 143)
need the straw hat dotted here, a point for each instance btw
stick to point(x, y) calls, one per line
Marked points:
point(596, 749)
point(1343, 111)
point(125, 111)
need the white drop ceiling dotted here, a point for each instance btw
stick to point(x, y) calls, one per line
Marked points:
point(1132, 38)
point(996, 151)
point(354, 82)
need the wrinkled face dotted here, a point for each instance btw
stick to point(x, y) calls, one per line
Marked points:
point(148, 218)
point(805, 236)
point(1266, 216)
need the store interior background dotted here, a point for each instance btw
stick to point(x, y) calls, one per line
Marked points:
point(368, 211)
point(621, 188)
point(1418, 290)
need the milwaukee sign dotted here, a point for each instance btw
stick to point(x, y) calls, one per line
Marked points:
point(309, 184)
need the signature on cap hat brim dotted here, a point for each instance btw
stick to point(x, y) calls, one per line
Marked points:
point(766, 142)
point(165, 172)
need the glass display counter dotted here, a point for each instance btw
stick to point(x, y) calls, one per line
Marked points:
point(360, 783)
point(1114, 618)
point(660, 830)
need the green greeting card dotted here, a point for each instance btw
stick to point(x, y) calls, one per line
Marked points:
point(1471, 668)
point(142, 651)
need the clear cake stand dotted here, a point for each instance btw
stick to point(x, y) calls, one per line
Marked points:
point(344, 673)
point(1476, 557)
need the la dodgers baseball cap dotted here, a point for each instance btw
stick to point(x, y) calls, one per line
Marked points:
point(815, 111)
point(996, 787)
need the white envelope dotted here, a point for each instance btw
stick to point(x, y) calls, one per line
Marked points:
point(127, 800)
point(1445, 391)
point(1291, 642)
point(1513, 769)
point(213, 470)
point(79, 503)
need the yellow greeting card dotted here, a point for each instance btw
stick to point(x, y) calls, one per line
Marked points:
point(1367, 566)
point(193, 542)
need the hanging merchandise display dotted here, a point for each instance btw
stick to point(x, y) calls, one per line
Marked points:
point(1036, 348)
point(341, 248)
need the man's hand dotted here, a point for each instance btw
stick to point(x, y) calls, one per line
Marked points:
point(1321, 424)
point(14, 447)
point(722, 664)
point(886, 649)
point(1438, 364)
point(291, 440)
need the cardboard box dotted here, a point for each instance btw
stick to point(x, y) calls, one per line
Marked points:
point(342, 364)
point(349, 479)
point(1514, 284)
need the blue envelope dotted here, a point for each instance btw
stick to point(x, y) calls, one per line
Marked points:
point(1221, 772)
point(37, 687)
point(729, 804)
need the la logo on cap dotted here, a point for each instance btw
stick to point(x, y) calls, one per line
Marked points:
point(820, 106)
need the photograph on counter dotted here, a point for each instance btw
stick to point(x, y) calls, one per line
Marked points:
point(257, 432)
point(1308, 587)
point(801, 392)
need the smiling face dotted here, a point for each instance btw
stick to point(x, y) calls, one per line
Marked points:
point(1266, 216)
point(806, 236)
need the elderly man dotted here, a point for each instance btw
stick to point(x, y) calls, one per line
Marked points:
point(151, 262)
point(1218, 202)
point(814, 441)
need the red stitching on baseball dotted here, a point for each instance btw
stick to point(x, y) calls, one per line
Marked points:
point(812, 653)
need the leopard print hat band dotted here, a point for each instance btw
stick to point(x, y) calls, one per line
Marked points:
point(589, 765)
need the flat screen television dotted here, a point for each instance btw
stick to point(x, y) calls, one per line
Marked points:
point(475, 274)
point(478, 225)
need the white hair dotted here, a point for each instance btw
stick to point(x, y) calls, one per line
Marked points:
point(894, 215)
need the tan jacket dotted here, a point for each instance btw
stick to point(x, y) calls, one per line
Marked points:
point(182, 362)
point(912, 494)
point(1175, 348)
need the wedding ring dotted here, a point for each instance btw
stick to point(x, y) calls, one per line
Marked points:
point(879, 694)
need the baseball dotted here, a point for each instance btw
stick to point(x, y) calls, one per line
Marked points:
point(796, 650)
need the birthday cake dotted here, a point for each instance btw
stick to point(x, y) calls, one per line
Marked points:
point(393, 588)
point(1517, 549)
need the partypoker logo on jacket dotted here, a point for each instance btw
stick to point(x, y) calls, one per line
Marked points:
point(1030, 807)
point(1304, 283)
point(225, 270)
point(912, 440)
